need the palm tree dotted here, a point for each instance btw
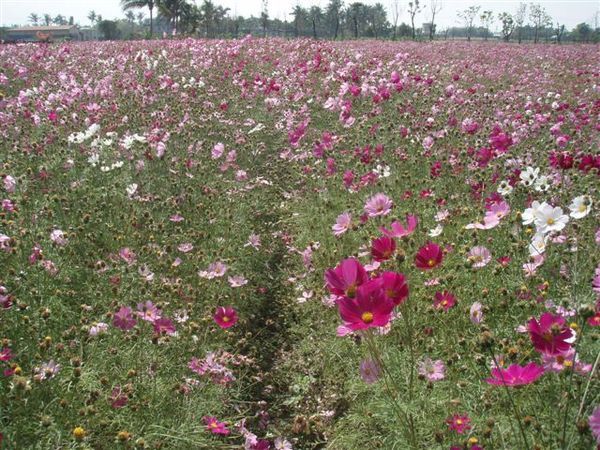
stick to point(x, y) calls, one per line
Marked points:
point(208, 12)
point(316, 14)
point(133, 4)
point(130, 16)
point(47, 19)
point(59, 20)
point(92, 17)
point(34, 19)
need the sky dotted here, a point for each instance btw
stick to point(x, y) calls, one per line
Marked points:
point(568, 12)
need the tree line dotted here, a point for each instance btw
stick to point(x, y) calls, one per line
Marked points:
point(356, 20)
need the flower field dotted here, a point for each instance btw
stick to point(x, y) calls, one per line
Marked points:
point(271, 244)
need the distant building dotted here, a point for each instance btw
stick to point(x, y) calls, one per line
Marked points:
point(426, 28)
point(44, 34)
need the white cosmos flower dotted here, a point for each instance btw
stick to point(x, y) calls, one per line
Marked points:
point(542, 184)
point(538, 244)
point(530, 214)
point(131, 189)
point(436, 231)
point(504, 188)
point(550, 218)
point(580, 206)
point(529, 175)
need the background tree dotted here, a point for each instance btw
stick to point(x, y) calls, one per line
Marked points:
point(468, 17)
point(435, 7)
point(332, 17)
point(34, 19)
point(560, 32)
point(47, 19)
point(539, 17)
point(171, 10)
point(582, 33)
point(59, 20)
point(264, 17)
point(109, 29)
point(316, 15)
point(300, 18)
point(396, 10)
point(508, 25)
point(130, 16)
point(519, 19)
point(140, 18)
point(136, 4)
point(487, 18)
point(355, 13)
point(413, 9)
point(92, 17)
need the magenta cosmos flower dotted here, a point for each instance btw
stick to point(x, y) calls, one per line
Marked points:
point(550, 335)
point(214, 426)
point(124, 319)
point(429, 256)
point(225, 316)
point(516, 375)
point(378, 205)
point(346, 278)
point(432, 370)
point(371, 308)
point(398, 230)
point(459, 423)
point(444, 300)
point(383, 248)
point(394, 287)
point(594, 421)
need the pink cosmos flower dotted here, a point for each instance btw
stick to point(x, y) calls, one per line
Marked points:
point(214, 426)
point(370, 371)
point(459, 423)
point(237, 281)
point(225, 316)
point(186, 247)
point(398, 230)
point(394, 287)
point(10, 184)
point(164, 326)
point(550, 335)
point(565, 361)
point(253, 241)
point(342, 224)
point(124, 319)
point(432, 370)
point(118, 398)
point(369, 309)
point(479, 256)
point(176, 218)
point(476, 313)
point(8, 205)
point(58, 237)
point(148, 311)
point(346, 277)
point(516, 375)
point(378, 205)
point(383, 248)
point(5, 243)
point(217, 150)
point(444, 300)
point(127, 255)
point(429, 256)
point(5, 354)
point(594, 422)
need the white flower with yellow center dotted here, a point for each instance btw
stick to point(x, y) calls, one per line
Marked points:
point(580, 206)
point(530, 214)
point(550, 218)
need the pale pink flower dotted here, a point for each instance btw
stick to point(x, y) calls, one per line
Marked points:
point(479, 256)
point(218, 150)
point(186, 247)
point(476, 313)
point(58, 237)
point(10, 184)
point(432, 370)
point(378, 205)
point(237, 281)
point(342, 224)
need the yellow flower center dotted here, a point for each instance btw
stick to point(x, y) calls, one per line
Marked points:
point(431, 262)
point(225, 319)
point(367, 317)
point(550, 221)
point(459, 422)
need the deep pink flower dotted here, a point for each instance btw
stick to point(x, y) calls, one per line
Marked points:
point(444, 300)
point(459, 423)
point(346, 277)
point(594, 421)
point(225, 316)
point(124, 319)
point(394, 287)
point(370, 308)
point(214, 426)
point(550, 334)
point(516, 375)
point(383, 248)
point(118, 398)
point(164, 326)
point(429, 256)
point(5, 354)
point(398, 230)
